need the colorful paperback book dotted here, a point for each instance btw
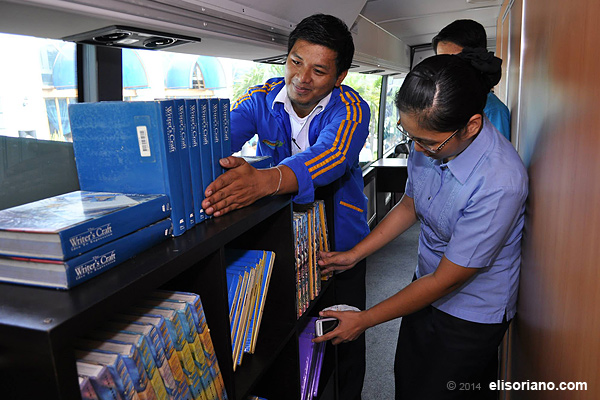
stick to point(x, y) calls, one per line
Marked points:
point(133, 363)
point(116, 365)
point(195, 160)
point(129, 147)
point(161, 330)
point(72, 272)
point(205, 145)
point(87, 390)
point(64, 226)
point(201, 326)
point(176, 387)
point(175, 331)
point(183, 152)
point(214, 121)
point(101, 380)
point(143, 348)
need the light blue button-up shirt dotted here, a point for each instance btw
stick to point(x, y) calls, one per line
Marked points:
point(471, 210)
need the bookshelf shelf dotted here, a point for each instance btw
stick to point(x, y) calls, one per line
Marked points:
point(38, 325)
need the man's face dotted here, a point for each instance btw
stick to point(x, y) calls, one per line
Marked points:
point(448, 48)
point(310, 75)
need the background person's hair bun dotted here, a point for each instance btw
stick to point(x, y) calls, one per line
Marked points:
point(485, 62)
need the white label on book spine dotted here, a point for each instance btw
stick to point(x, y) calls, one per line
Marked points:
point(143, 141)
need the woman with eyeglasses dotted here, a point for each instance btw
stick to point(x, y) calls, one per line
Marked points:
point(467, 187)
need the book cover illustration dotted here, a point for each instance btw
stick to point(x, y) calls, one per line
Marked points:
point(69, 273)
point(64, 226)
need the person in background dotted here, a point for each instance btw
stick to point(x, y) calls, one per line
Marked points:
point(314, 128)
point(468, 33)
point(467, 187)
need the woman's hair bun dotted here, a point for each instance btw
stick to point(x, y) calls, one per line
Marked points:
point(485, 62)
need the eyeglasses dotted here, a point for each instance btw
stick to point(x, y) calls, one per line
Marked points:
point(408, 136)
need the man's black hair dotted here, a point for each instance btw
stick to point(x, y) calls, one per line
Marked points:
point(328, 31)
point(463, 32)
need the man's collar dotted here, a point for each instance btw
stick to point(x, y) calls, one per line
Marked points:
point(282, 97)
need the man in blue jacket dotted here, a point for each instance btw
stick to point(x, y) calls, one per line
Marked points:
point(468, 33)
point(314, 128)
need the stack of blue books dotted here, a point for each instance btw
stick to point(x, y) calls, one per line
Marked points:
point(163, 146)
point(64, 240)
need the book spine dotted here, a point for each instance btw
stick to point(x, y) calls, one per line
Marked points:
point(183, 142)
point(205, 145)
point(224, 112)
point(173, 167)
point(215, 136)
point(94, 233)
point(191, 106)
point(101, 259)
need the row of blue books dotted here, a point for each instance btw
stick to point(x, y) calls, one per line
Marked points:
point(310, 236)
point(64, 240)
point(311, 360)
point(248, 275)
point(164, 146)
point(159, 349)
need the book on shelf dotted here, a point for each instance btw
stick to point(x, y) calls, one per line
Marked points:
point(87, 390)
point(195, 158)
point(74, 271)
point(174, 329)
point(64, 226)
point(199, 318)
point(225, 127)
point(248, 275)
point(183, 150)
point(132, 359)
point(215, 137)
point(174, 381)
point(101, 380)
point(144, 350)
point(190, 333)
point(181, 371)
point(129, 147)
point(205, 145)
point(115, 364)
point(311, 359)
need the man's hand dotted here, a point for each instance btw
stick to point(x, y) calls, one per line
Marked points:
point(238, 187)
point(352, 325)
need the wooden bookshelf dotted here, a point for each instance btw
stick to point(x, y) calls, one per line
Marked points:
point(38, 325)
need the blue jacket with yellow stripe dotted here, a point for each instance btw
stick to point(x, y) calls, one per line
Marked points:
point(336, 136)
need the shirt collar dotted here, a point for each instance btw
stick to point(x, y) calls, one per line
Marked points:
point(282, 97)
point(462, 166)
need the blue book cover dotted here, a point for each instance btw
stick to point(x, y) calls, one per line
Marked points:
point(183, 151)
point(214, 120)
point(195, 162)
point(206, 167)
point(259, 162)
point(72, 272)
point(224, 109)
point(129, 147)
point(64, 226)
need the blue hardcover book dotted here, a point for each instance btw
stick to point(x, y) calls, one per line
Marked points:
point(214, 120)
point(72, 272)
point(195, 159)
point(205, 146)
point(225, 128)
point(183, 148)
point(129, 147)
point(64, 226)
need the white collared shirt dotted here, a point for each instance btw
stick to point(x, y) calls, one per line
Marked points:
point(300, 141)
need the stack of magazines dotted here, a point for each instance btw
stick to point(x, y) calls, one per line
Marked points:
point(62, 241)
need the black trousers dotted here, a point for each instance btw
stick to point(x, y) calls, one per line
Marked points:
point(350, 289)
point(441, 357)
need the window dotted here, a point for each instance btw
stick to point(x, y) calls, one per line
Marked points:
point(391, 135)
point(36, 87)
point(369, 88)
